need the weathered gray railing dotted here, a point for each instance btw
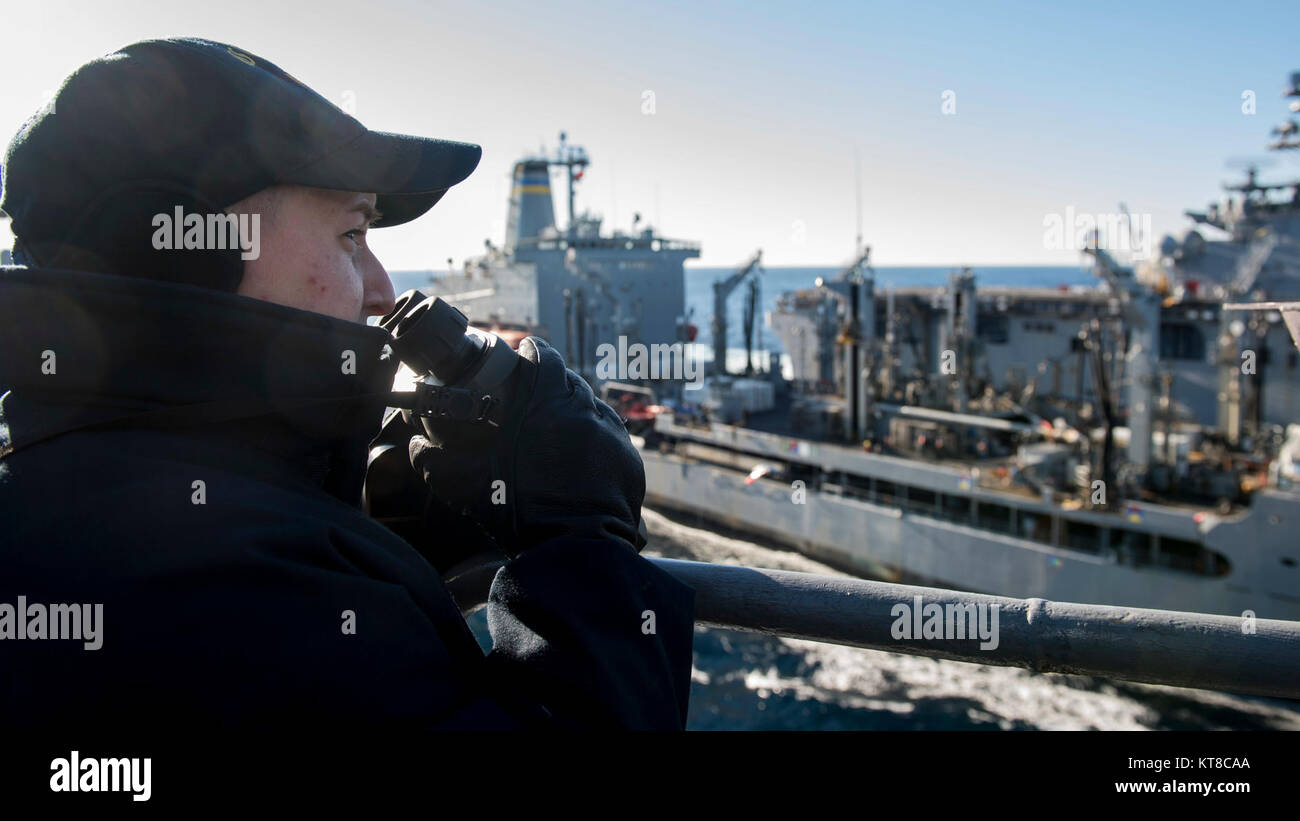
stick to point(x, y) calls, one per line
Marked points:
point(1261, 657)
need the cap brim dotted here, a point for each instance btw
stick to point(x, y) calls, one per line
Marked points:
point(409, 174)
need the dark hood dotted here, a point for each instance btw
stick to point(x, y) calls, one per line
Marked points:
point(121, 344)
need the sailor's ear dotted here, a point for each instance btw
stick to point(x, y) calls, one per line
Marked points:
point(141, 232)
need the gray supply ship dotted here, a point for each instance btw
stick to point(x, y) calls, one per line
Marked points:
point(1131, 444)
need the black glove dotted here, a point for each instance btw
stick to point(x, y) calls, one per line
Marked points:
point(562, 464)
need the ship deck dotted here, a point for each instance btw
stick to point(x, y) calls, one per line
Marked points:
point(994, 472)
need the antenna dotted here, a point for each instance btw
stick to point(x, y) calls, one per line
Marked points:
point(857, 192)
point(1134, 233)
point(571, 157)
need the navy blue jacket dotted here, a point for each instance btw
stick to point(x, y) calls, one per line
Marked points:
point(224, 602)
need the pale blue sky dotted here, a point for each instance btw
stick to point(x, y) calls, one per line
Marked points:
point(760, 106)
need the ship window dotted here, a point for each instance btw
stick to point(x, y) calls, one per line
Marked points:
point(992, 328)
point(1219, 565)
point(1181, 341)
point(1181, 554)
point(858, 486)
point(1082, 536)
point(920, 500)
point(1133, 547)
point(955, 508)
point(994, 517)
point(1035, 527)
point(886, 493)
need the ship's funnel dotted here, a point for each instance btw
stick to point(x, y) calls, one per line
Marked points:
point(531, 208)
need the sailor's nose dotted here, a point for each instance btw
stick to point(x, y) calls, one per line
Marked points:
point(379, 296)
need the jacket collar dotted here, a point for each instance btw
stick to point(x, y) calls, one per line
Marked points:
point(78, 347)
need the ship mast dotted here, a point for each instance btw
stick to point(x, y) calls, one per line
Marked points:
point(857, 193)
point(571, 157)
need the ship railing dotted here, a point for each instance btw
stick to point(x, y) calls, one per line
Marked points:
point(1238, 654)
point(614, 243)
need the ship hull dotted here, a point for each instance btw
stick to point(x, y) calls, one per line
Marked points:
point(881, 541)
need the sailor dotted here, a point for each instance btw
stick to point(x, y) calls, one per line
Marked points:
point(184, 434)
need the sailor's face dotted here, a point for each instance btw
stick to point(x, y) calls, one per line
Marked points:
point(314, 254)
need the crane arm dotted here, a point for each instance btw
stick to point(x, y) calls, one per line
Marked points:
point(723, 288)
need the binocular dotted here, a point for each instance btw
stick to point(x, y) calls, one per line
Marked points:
point(464, 393)
point(464, 374)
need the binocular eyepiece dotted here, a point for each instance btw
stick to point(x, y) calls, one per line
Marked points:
point(434, 339)
point(464, 373)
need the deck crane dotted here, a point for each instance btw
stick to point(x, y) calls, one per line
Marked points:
point(752, 303)
point(721, 290)
point(1140, 310)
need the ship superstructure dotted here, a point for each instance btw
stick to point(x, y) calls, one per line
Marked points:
point(576, 286)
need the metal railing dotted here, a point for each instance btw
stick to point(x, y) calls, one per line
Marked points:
point(1227, 653)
